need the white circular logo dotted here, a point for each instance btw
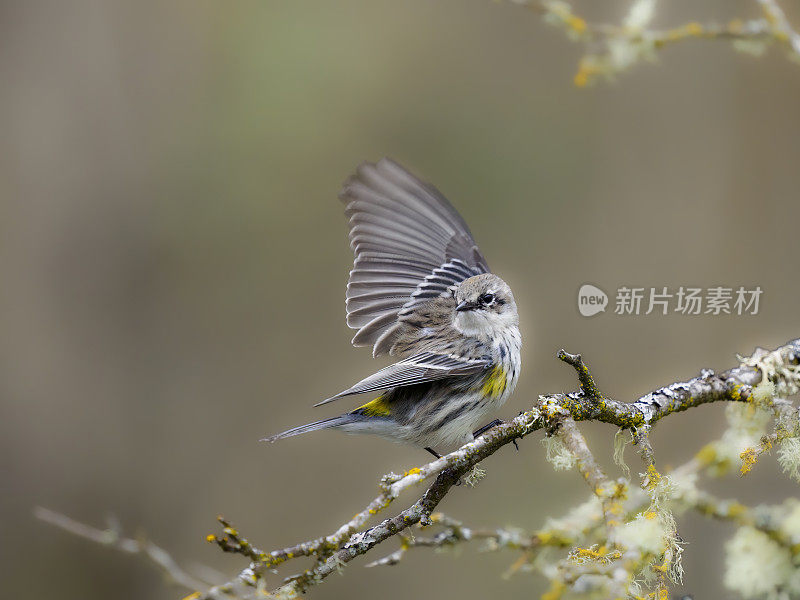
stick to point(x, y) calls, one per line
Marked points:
point(591, 300)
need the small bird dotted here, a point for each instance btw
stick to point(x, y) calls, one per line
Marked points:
point(420, 290)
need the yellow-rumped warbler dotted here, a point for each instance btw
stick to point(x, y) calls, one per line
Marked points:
point(421, 290)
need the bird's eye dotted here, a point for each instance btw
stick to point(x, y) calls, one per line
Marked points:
point(487, 298)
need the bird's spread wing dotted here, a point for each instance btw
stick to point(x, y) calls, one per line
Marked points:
point(420, 368)
point(410, 245)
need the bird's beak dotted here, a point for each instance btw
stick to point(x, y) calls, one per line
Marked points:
point(466, 306)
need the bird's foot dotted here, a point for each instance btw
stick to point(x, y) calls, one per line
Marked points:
point(434, 452)
point(486, 427)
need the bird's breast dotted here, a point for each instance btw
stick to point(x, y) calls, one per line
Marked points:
point(495, 382)
point(500, 380)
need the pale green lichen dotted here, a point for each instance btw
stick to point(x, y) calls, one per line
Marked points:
point(748, 420)
point(474, 476)
point(624, 52)
point(789, 457)
point(753, 47)
point(286, 592)
point(621, 439)
point(673, 556)
point(758, 568)
point(672, 564)
point(791, 522)
point(764, 392)
point(747, 424)
point(654, 532)
point(685, 482)
point(774, 368)
point(640, 14)
point(645, 534)
point(558, 454)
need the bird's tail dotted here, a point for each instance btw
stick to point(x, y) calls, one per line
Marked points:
point(345, 419)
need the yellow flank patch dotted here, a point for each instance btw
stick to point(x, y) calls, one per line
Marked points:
point(376, 408)
point(495, 383)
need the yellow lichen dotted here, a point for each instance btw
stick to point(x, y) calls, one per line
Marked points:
point(595, 553)
point(211, 538)
point(586, 70)
point(749, 458)
point(707, 455)
point(576, 24)
point(736, 509)
point(653, 476)
point(694, 29)
point(616, 508)
point(544, 537)
point(589, 552)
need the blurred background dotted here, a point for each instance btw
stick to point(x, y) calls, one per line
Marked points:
point(173, 261)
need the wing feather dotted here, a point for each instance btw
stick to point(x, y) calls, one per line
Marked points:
point(410, 245)
point(420, 368)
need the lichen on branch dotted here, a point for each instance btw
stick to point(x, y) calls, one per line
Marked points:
point(623, 542)
point(611, 49)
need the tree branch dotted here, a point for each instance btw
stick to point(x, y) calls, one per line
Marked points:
point(112, 538)
point(612, 49)
point(555, 412)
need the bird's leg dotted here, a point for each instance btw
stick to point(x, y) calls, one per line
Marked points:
point(434, 452)
point(485, 428)
point(437, 455)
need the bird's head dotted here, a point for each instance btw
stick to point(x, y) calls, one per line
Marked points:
point(485, 306)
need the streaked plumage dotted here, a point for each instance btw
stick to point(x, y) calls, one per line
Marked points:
point(421, 290)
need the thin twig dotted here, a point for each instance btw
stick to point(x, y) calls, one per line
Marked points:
point(111, 537)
